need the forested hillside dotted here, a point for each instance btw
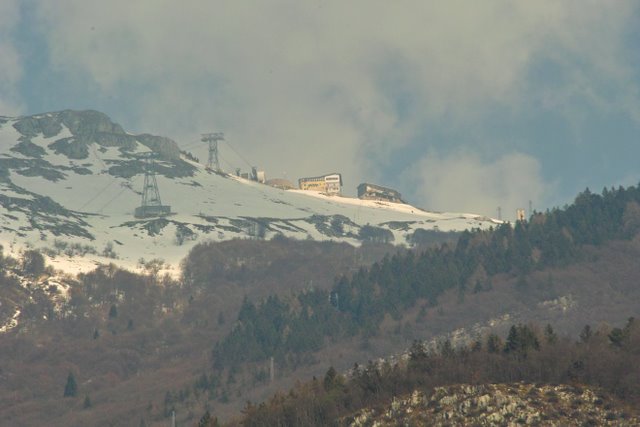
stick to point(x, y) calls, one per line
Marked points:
point(357, 303)
point(134, 344)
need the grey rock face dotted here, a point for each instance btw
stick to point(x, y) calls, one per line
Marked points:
point(88, 127)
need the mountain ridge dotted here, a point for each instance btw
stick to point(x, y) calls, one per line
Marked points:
point(76, 175)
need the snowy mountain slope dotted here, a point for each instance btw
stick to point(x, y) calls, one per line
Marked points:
point(70, 181)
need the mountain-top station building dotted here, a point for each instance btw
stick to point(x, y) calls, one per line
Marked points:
point(255, 175)
point(330, 184)
point(377, 192)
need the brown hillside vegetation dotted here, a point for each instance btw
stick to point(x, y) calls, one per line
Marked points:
point(602, 289)
point(129, 340)
point(600, 364)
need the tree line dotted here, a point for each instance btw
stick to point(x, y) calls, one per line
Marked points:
point(357, 303)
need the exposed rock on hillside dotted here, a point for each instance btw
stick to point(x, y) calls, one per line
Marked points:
point(86, 127)
point(499, 404)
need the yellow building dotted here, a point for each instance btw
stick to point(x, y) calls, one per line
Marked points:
point(330, 183)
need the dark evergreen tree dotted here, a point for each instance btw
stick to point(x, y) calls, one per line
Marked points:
point(521, 248)
point(71, 387)
point(330, 378)
point(520, 340)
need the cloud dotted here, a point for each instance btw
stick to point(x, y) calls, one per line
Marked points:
point(319, 86)
point(10, 61)
point(463, 182)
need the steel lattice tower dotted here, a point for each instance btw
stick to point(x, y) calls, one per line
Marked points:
point(150, 192)
point(212, 139)
point(151, 204)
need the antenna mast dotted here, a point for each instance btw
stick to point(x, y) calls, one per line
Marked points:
point(212, 139)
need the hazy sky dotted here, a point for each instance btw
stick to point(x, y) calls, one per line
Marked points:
point(460, 105)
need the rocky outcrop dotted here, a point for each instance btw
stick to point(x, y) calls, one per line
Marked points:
point(500, 405)
point(87, 127)
point(80, 123)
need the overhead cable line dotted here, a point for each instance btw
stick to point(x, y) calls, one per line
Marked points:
point(124, 187)
point(238, 154)
point(99, 193)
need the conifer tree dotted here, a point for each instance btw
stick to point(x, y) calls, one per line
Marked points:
point(71, 388)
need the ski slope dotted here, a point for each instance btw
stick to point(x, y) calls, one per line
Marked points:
point(70, 205)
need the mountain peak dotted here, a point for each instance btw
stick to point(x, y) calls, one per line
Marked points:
point(79, 175)
point(83, 128)
point(80, 123)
